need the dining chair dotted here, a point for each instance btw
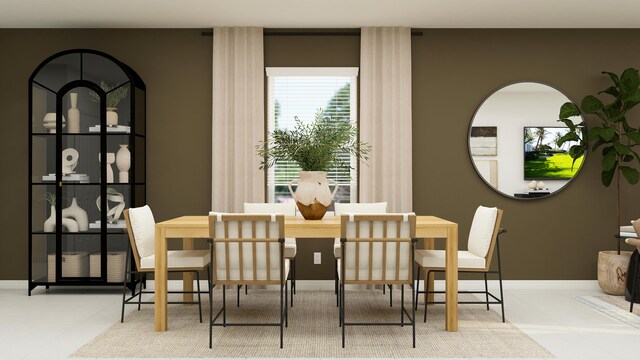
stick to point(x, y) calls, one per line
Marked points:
point(634, 241)
point(247, 249)
point(141, 230)
point(377, 249)
point(290, 247)
point(356, 208)
point(484, 237)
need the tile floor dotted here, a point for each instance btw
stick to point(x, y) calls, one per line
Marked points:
point(53, 325)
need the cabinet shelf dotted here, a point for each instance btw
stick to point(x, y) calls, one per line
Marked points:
point(67, 83)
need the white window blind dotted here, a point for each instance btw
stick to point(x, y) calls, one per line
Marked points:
point(301, 92)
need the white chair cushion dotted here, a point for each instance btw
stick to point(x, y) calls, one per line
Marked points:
point(290, 248)
point(288, 209)
point(143, 227)
point(360, 208)
point(435, 259)
point(179, 259)
point(356, 208)
point(482, 227)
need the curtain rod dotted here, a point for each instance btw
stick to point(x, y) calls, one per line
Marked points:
point(311, 33)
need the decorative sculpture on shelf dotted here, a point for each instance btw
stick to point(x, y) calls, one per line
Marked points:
point(78, 214)
point(73, 114)
point(49, 122)
point(69, 160)
point(50, 223)
point(114, 213)
point(123, 162)
point(111, 158)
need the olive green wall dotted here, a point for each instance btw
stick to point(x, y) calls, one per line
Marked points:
point(453, 70)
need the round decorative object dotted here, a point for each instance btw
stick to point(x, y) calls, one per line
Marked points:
point(69, 160)
point(49, 122)
point(612, 271)
point(513, 141)
point(113, 213)
point(112, 116)
point(78, 214)
point(123, 162)
point(312, 195)
point(74, 114)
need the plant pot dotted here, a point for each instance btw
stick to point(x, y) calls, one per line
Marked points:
point(112, 116)
point(312, 195)
point(612, 271)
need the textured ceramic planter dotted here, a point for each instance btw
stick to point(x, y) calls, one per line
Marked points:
point(612, 271)
point(112, 116)
point(312, 194)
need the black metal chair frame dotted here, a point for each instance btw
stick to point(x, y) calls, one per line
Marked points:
point(635, 285)
point(292, 278)
point(403, 310)
point(284, 313)
point(143, 274)
point(488, 294)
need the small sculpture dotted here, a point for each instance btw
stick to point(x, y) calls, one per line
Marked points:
point(114, 213)
point(69, 160)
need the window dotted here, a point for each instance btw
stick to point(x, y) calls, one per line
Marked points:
point(301, 92)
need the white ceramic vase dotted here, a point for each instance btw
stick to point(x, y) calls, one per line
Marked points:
point(78, 214)
point(74, 115)
point(49, 122)
point(123, 162)
point(112, 116)
point(50, 223)
point(111, 158)
point(312, 195)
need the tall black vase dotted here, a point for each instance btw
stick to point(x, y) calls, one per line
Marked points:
point(631, 277)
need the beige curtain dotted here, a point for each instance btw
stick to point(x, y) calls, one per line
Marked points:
point(238, 117)
point(385, 116)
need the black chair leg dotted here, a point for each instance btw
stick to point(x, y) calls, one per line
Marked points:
point(500, 276)
point(238, 300)
point(286, 305)
point(140, 296)
point(417, 291)
point(635, 283)
point(209, 277)
point(281, 314)
point(128, 273)
point(293, 279)
point(224, 305)
point(426, 293)
point(390, 295)
point(199, 298)
point(402, 305)
point(486, 290)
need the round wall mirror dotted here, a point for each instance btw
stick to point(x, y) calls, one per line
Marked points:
point(514, 141)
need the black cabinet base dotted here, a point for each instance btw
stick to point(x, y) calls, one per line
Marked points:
point(631, 277)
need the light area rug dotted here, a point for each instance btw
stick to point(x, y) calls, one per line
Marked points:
point(313, 331)
point(616, 307)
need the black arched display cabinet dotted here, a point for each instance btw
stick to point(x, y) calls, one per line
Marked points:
point(87, 163)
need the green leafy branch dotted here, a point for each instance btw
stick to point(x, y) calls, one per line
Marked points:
point(114, 94)
point(315, 146)
point(617, 138)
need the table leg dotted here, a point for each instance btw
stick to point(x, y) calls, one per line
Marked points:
point(160, 273)
point(451, 275)
point(187, 277)
point(429, 245)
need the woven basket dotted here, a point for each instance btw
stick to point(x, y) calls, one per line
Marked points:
point(115, 265)
point(74, 264)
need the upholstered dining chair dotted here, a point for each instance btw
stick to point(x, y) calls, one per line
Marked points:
point(247, 249)
point(355, 208)
point(483, 239)
point(141, 230)
point(290, 247)
point(377, 249)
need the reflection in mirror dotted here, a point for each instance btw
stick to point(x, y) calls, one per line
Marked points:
point(514, 141)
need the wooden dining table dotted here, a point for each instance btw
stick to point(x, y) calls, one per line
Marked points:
point(189, 228)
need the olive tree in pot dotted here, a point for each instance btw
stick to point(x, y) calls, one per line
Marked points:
point(618, 142)
point(315, 148)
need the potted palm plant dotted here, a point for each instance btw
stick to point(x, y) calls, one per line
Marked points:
point(115, 94)
point(316, 148)
point(620, 157)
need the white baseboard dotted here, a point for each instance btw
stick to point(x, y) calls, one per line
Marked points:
point(439, 284)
